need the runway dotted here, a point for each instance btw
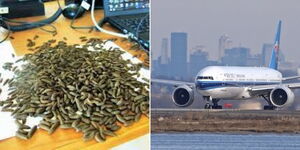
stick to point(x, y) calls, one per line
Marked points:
point(225, 120)
point(239, 111)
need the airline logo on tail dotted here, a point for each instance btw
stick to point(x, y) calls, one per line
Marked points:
point(274, 58)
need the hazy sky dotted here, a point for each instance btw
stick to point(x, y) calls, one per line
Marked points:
point(248, 22)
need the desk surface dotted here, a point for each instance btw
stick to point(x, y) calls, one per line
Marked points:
point(69, 139)
point(63, 28)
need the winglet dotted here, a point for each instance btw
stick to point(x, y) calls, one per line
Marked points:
point(275, 52)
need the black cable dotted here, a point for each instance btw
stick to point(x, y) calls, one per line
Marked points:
point(31, 25)
point(100, 23)
point(79, 27)
point(139, 25)
point(26, 23)
point(73, 19)
point(22, 25)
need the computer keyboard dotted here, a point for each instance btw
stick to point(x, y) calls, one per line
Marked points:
point(133, 23)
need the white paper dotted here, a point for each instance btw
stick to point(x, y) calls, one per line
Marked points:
point(7, 125)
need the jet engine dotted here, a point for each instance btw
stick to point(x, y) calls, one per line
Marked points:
point(282, 96)
point(183, 96)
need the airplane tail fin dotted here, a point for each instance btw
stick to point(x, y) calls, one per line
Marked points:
point(275, 52)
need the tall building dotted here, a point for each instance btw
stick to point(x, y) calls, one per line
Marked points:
point(198, 60)
point(236, 56)
point(254, 60)
point(179, 54)
point(194, 50)
point(164, 51)
point(224, 43)
point(266, 53)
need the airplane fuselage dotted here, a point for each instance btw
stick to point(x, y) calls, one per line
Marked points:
point(228, 82)
point(216, 83)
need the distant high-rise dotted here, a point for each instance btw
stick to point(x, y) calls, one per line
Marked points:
point(224, 43)
point(179, 54)
point(164, 51)
point(254, 60)
point(266, 53)
point(194, 50)
point(198, 60)
point(236, 56)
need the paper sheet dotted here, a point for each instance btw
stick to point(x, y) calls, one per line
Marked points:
point(7, 125)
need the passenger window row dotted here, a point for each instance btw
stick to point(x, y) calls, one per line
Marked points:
point(205, 77)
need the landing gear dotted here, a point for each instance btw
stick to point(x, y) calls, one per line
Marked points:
point(217, 107)
point(207, 106)
point(211, 103)
point(215, 104)
point(208, 101)
point(270, 106)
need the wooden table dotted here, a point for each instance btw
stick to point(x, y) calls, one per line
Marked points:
point(62, 24)
point(68, 139)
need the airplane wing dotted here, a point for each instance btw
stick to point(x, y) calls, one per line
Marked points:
point(172, 82)
point(264, 89)
point(290, 78)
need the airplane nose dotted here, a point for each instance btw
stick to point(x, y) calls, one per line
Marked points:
point(201, 85)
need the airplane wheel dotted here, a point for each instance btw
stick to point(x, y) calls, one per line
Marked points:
point(217, 107)
point(207, 106)
point(268, 107)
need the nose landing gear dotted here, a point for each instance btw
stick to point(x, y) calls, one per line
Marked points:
point(211, 103)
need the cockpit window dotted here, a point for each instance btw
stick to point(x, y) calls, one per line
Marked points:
point(205, 77)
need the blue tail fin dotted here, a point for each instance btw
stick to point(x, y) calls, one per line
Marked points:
point(275, 52)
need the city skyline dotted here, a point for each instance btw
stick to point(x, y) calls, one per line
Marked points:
point(225, 43)
point(177, 63)
point(248, 23)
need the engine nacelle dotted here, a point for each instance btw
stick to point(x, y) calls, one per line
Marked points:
point(282, 96)
point(183, 96)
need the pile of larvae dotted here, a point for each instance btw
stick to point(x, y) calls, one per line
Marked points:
point(69, 86)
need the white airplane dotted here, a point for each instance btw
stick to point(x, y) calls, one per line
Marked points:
point(216, 83)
